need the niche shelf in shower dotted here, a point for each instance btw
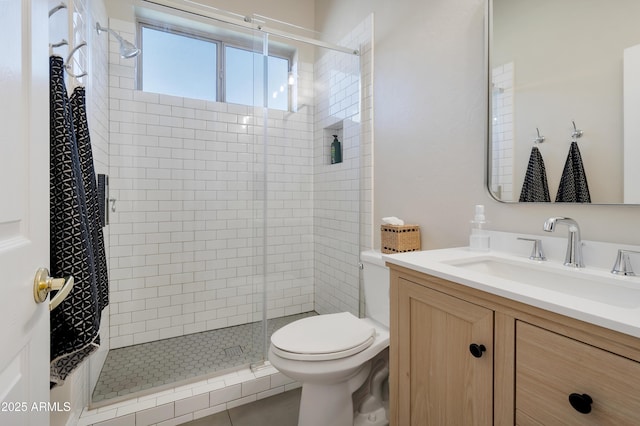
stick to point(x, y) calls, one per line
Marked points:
point(335, 155)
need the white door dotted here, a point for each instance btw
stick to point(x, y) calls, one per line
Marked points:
point(24, 211)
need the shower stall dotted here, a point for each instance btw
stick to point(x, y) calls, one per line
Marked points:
point(227, 219)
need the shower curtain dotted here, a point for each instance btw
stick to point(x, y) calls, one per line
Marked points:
point(77, 244)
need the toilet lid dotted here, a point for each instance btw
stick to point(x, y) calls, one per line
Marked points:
point(323, 337)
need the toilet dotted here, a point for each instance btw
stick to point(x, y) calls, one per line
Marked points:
point(331, 354)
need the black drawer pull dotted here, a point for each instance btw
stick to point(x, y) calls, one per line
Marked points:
point(476, 350)
point(582, 403)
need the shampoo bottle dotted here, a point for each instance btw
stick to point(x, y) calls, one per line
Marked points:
point(479, 238)
point(336, 151)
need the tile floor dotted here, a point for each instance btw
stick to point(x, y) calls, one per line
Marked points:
point(278, 410)
point(144, 368)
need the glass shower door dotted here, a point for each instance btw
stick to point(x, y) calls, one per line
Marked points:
point(186, 241)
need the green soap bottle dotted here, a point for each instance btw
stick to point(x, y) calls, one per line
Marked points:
point(336, 151)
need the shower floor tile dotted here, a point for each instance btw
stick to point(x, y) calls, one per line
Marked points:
point(144, 368)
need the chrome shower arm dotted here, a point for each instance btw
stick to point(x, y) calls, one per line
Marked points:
point(127, 49)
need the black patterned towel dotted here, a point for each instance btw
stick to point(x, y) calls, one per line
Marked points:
point(75, 323)
point(573, 186)
point(535, 187)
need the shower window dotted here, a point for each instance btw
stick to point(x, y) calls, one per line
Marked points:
point(196, 65)
point(242, 65)
point(179, 65)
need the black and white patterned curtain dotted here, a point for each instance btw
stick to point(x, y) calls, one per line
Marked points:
point(77, 242)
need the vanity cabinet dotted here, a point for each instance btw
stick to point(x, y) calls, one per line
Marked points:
point(462, 356)
point(445, 348)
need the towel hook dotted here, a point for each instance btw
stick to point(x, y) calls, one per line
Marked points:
point(540, 138)
point(577, 133)
point(68, 65)
point(57, 8)
point(61, 43)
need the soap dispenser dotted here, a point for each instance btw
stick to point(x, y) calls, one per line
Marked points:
point(479, 238)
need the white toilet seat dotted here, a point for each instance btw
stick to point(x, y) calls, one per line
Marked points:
point(323, 337)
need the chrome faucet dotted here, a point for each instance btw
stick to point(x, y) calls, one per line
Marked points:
point(573, 257)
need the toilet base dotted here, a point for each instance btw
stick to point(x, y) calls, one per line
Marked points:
point(374, 418)
point(330, 404)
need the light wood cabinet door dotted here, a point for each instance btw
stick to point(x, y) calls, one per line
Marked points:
point(550, 367)
point(440, 381)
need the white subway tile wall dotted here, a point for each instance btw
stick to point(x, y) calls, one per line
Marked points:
point(502, 133)
point(185, 240)
point(342, 192)
point(188, 176)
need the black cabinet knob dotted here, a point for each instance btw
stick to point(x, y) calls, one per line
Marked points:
point(582, 403)
point(476, 350)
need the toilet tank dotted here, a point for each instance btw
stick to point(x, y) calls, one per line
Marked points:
point(375, 278)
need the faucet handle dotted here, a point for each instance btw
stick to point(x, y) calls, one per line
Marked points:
point(623, 264)
point(536, 252)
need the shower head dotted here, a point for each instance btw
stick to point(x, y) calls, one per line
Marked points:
point(127, 49)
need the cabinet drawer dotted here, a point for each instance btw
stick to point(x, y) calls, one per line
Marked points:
point(550, 367)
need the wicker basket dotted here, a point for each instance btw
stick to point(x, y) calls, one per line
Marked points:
point(400, 238)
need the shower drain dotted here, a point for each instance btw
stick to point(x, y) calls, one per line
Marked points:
point(233, 351)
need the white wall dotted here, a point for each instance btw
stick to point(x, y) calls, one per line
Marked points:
point(631, 100)
point(299, 12)
point(430, 115)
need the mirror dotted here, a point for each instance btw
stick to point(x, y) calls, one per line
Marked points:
point(553, 63)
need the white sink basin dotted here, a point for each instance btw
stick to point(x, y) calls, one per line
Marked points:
point(580, 283)
point(590, 294)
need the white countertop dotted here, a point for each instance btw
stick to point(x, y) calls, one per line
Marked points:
point(619, 312)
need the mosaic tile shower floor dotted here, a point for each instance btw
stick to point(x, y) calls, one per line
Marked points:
point(146, 367)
